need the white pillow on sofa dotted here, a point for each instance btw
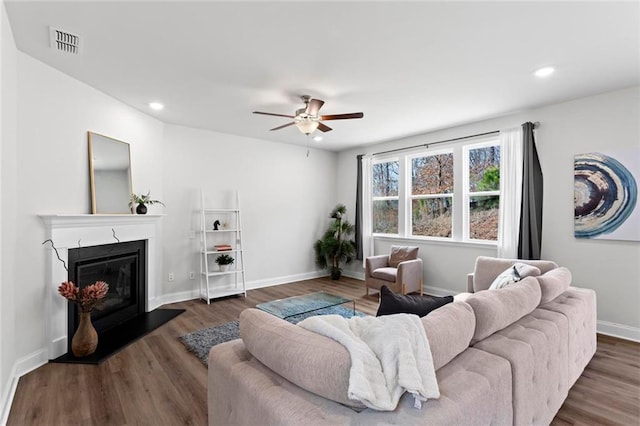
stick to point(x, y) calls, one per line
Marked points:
point(513, 274)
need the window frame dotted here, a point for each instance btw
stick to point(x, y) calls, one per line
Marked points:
point(460, 226)
point(410, 196)
point(382, 160)
point(467, 194)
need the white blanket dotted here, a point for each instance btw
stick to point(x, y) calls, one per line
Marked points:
point(389, 355)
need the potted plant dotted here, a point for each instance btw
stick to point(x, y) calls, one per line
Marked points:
point(224, 261)
point(142, 201)
point(335, 246)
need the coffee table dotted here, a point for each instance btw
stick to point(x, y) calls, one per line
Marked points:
point(285, 308)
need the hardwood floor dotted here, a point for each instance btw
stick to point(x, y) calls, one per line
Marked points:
point(155, 381)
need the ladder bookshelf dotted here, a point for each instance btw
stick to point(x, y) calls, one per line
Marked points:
point(214, 281)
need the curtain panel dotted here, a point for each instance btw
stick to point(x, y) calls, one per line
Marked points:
point(367, 214)
point(511, 168)
point(530, 242)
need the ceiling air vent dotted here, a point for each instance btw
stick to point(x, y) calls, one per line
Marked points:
point(64, 41)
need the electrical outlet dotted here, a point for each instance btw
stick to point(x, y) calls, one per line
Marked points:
point(171, 277)
point(192, 275)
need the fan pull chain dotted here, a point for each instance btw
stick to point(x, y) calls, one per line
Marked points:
point(308, 136)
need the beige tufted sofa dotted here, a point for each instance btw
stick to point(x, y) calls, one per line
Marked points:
point(505, 356)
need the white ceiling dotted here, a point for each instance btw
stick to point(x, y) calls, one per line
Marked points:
point(411, 67)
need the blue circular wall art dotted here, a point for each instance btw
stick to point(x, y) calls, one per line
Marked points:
point(605, 194)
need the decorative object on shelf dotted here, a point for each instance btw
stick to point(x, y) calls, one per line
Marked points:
point(224, 261)
point(142, 201)
point(334, 247)
point(215, 225)
point(223, 247)
point(85, 340)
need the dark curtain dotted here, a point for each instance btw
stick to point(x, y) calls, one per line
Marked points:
point(530, 240)
point(359, 210)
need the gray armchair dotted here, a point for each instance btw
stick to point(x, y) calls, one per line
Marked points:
point(401, 271)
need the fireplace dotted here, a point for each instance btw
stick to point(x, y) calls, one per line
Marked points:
point(122, 266)
point(70, 232)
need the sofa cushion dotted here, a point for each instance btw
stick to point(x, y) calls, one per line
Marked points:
point(474, 389)
point(495, 310)
point(536, 347)
point(578, 305)
point(387, 274)
point(554, 283)
point(312, 361)
point(321, 365)
point(488, 268)
point(449, 330)
point(401, 254)
point(513, 274)
point(394, 303)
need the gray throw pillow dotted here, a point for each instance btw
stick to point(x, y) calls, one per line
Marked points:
point(513, 274)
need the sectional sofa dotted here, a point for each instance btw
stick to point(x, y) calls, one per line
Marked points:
point(505, 356)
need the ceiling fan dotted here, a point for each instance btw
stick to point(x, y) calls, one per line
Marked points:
point(307, 119)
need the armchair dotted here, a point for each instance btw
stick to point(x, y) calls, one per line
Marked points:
point(401, 271)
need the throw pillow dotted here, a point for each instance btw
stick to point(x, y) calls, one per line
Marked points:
point(402, 254)
point(392, 303)
point(513, 274)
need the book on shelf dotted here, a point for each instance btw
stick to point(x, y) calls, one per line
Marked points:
point(222, 247)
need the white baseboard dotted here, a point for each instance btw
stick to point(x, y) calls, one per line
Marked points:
point(618, 330)
point(437, 291)
point(183, 296)
point(7, 397)
point(354, 275)
point(21, 367)
point(251, 285)
point(173, 298)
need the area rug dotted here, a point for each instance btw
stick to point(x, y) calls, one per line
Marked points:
point(200, 342)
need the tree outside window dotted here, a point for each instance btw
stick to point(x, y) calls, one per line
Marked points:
point(483, 196)
point(432, 195)
point(385, 177)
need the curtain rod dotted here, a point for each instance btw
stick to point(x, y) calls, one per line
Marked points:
point(427, 145)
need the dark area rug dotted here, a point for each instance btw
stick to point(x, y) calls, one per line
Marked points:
point(200, 342)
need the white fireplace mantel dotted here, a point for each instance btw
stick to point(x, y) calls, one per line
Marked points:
point(83, 230)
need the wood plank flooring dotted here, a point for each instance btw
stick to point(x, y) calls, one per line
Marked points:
point(155, 381)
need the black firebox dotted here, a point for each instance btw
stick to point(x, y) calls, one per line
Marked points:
point(123, 267)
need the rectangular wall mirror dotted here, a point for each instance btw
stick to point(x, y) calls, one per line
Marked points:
point(110, 174)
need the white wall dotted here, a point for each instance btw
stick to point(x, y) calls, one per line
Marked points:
point(285, 199)
point(8, 123)
point(605, 123)
point(54, 114)
point(45, 116)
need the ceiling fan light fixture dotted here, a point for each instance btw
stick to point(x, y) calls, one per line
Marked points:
point(307, 125)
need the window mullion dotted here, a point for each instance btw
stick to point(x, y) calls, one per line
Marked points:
point(459, 182)
point(404, 188)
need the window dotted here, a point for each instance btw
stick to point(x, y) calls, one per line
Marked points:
point(432, 195)
point(482, 193)
point(451, 193)
point(385, 197)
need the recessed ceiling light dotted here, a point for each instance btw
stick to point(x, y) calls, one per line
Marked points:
point(317, 138)
point(156, 106)
point(544, 72)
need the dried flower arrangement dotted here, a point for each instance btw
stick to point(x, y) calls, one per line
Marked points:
point(86, 298)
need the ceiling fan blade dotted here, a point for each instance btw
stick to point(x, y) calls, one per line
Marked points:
point(324, 127)
point(342, 116)
point(314, 106)
point(270, 113)
point(283, 126)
